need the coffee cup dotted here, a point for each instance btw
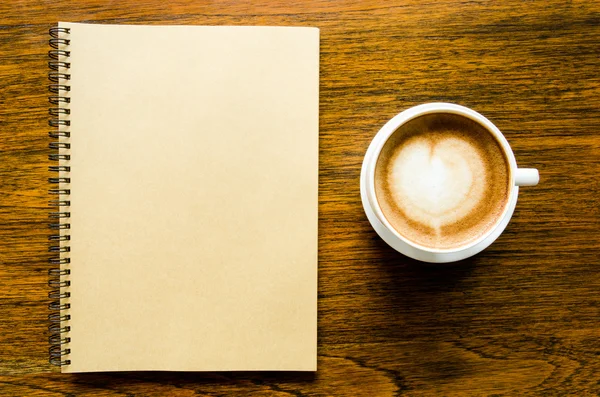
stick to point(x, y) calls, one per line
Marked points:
point(439, 182)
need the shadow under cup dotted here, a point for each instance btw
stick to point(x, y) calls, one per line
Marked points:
point(442, 181)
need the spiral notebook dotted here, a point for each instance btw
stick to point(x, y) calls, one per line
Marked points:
point(185, 197)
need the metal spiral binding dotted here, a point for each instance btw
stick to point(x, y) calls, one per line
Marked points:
point(59, 217)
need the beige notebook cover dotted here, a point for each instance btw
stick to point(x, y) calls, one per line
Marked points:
point(193, 190)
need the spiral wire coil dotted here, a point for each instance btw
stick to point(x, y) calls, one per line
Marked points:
point(58, 279)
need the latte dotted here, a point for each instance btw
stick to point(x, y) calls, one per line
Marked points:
point(442, 181)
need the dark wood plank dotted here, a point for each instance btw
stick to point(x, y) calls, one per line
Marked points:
point(519, 319)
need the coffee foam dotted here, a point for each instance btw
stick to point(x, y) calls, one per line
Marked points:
point(442, 181)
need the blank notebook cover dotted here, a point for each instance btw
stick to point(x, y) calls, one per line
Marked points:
point(191, 198)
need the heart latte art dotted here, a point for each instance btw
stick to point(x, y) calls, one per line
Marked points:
point(437, 183)
point(442, 181)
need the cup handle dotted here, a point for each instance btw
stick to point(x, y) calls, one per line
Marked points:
point(527, 177)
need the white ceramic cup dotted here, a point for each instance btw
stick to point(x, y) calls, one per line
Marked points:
point(519, 177)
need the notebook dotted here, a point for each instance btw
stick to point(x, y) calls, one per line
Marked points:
point(185, 176)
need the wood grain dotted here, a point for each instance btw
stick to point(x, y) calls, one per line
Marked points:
point(522, 318)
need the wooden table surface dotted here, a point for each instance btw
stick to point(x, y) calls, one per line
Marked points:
point(522, 318)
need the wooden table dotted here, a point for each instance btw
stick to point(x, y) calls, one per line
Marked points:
point(522, 318)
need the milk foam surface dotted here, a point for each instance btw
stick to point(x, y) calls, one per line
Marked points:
point(437, 182)
point(442, 181)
